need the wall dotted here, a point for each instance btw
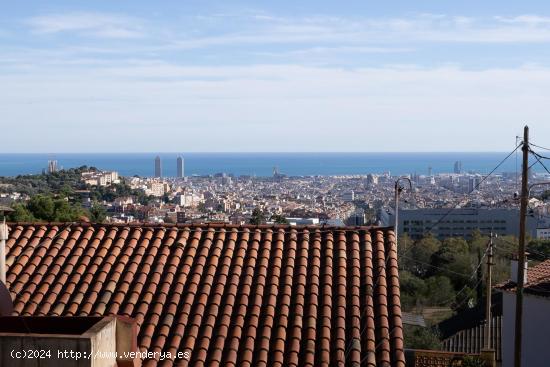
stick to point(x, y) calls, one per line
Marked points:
point(536, 330)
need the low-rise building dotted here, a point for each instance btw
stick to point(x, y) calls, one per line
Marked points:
point(100, 178)
point(460, 222)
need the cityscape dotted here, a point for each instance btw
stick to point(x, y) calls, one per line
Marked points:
point(284, 183)
point(352, 200)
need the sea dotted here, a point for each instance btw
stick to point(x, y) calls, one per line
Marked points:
point(263, 164)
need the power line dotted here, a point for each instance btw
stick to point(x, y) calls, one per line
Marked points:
point(449, 300)
point(538, 157)
point(475, 187)
point(514, 245)
point(448, 213)
point(436, 267)
point(538, 146)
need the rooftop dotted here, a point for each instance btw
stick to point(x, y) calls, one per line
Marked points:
point(538, 280)
point(228, 295)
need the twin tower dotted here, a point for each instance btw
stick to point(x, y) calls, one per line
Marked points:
point(179, 167)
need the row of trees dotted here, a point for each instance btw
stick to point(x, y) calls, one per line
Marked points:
point(51, 208)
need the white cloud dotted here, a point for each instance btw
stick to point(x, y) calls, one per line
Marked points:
point(91, 24)
point(260, 29)
point(372, 32)
point(532, 20)
point(238, 107)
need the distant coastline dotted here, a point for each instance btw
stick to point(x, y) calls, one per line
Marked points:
point(262, 164)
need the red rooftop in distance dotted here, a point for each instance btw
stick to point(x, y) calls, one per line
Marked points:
point(226, 295)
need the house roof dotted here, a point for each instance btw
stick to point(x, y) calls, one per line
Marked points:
point(538, 280)
point(228, 295)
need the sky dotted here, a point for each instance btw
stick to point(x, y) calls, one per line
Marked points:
point(270, 76)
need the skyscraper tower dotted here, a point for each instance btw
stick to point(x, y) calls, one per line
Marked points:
point(52, 166)
point(158, 167)
point(458, 167)
point(179, 167)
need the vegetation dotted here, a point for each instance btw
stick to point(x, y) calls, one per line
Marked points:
point(472, 361)
point(67, 183)
point(445, 273)
point(258, 216)
point(279, 219)
point(421, 338)
point(539, 249)
point(63, 182)
point(48, 208)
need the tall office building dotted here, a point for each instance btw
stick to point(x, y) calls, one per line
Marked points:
point(458, 167)
point(158, 167)
point(52, 166)
point(179, 167)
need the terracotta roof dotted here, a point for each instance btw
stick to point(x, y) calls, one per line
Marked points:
point(230, 295)
point(538, 280)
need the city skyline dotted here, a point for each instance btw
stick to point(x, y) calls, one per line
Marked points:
point(250, 77)
point(261, 164)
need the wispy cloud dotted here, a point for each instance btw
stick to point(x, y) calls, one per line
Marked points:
point(326, 104)
point(88, 24)
point(362, 33)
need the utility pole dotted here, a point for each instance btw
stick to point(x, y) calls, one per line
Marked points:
point(488, 294)
point(398, 188)
point(521, 251)
point(488, 353)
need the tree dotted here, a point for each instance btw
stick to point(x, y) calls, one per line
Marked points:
point(42, 207)
point(98, 214)
point(20, 214)
point(420, 257)
point(279, 219)
point(257, 217)
point(439, 291)
point(412, 289)
point(539, 249)
point(47, 208)
point(453, 260)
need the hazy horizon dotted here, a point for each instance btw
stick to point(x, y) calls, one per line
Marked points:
point(263, 163)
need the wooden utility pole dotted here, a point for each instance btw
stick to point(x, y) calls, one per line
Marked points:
point(488, 353)
point(521, 251)
point(489, 289)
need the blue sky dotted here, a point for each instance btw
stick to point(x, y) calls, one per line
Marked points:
point(119, 76)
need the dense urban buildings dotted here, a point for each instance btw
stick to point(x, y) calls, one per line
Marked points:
point(445, 204)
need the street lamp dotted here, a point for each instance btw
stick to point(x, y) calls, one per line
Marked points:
point(397, 191)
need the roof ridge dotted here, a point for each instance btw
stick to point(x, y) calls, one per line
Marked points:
point(202, 225)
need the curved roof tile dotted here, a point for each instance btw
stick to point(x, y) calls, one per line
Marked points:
point(228, 295)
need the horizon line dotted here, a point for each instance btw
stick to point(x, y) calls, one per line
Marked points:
point(260, 152)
